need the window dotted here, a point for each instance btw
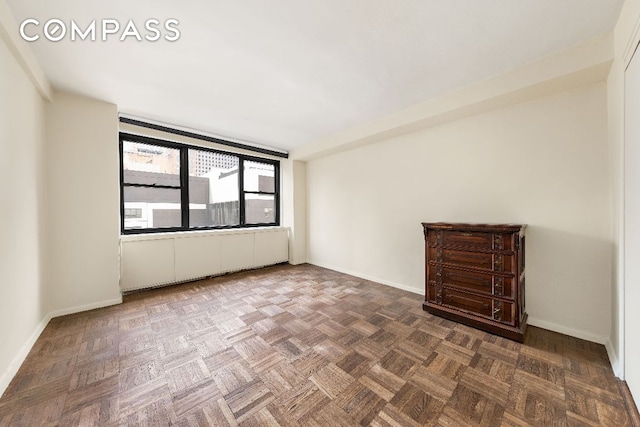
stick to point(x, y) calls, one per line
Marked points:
point(213, 189)
point(167, 186)
point(259, 192)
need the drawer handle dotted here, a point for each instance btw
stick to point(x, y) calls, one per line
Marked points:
point(497, 262)
point(497, 289)
point(497, 241)
point(466, 234)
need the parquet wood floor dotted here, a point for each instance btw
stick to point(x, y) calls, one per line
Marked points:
point(301, 346)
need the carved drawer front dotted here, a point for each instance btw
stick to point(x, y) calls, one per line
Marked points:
point(487, 261)
point(485, 283)
point(496, 310)
point(481, 306)
point(471, 239)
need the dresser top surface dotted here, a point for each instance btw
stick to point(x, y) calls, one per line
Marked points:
point(473, 226)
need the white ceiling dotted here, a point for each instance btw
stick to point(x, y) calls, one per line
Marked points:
point(284, 73)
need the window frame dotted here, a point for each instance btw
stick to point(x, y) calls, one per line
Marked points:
point(184, 186)
point(244, 192)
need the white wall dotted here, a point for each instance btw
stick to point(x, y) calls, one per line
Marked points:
point(21, 204)
point(82, 185)
point(294, 207)
point(624, 346)
point(543, 163)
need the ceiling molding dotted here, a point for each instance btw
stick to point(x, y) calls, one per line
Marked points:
point(21, 51)
point(586, 63)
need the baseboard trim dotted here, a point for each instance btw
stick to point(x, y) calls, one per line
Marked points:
point(367, 277)
point(18, 360)
point(86, 307)
point(613, 359)
point(577, 333)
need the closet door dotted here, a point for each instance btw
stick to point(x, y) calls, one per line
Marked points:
point(632, 225)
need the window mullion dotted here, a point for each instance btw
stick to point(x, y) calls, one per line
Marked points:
point(170, 187)
point(241, 197)
point(184, 186)
point(266, 193)
point(276, 187)
point(122, 219)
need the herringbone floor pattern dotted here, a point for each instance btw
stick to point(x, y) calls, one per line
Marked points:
point(301, 346)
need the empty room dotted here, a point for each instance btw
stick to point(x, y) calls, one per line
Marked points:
point(352, 213)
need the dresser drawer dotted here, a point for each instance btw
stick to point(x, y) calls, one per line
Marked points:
point(486, 261)
point(486, 283)
point(496, 310)
point(475, 304)
point(470, 239)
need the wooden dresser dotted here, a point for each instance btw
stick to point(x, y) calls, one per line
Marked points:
point(475, 275)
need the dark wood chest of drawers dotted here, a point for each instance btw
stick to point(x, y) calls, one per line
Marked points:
point(475, 275)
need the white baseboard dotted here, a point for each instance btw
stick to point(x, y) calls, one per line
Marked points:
point(614, 360)
point(86, 307)
point(371, 278)
point(18, 360)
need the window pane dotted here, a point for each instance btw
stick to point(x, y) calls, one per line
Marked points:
point(203, 162)
point(260, 209)
point(259, 177)
point(213, 189)
point(214, 214)
point(150, 164)
point(153, 208)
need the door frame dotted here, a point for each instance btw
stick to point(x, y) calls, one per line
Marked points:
point(631, 49)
